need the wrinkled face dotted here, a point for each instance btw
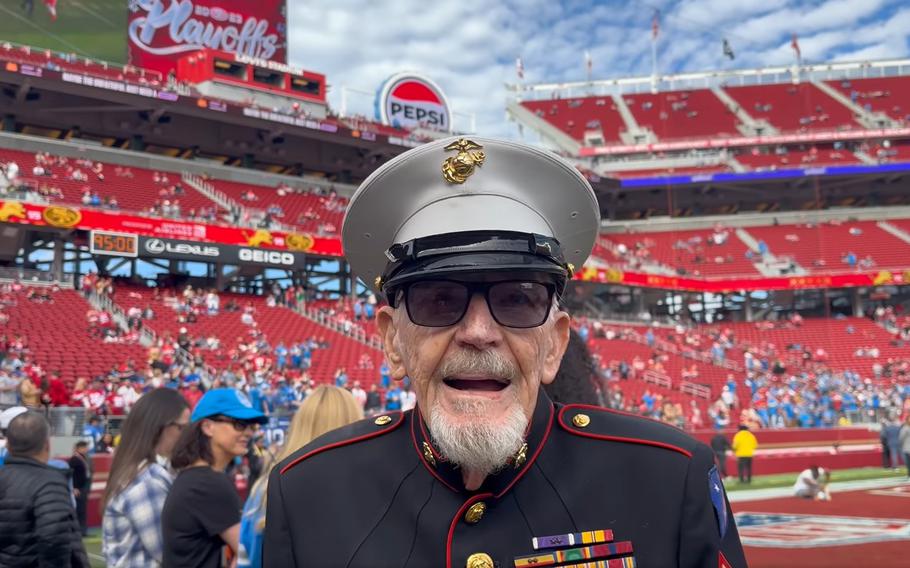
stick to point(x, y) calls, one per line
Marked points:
point(475, 379)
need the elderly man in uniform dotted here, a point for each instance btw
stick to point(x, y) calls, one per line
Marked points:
point(471, 243)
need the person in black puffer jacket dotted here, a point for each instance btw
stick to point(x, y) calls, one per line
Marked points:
point(38, 526)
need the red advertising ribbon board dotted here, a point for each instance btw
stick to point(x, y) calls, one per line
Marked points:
point(734, 284)
point(64, 217)
point(91, 219)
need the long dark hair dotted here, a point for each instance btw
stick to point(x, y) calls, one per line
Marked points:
point(192, 445)
point(574, 383)
point(139, 436)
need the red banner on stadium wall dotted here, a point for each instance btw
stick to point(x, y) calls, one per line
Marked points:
point(65, 217)
point(159, 32)
point(740, 141)
point(734, 284)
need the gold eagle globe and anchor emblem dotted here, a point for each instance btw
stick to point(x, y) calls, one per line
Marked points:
point(458, 168)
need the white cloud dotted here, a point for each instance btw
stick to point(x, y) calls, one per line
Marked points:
point(469, 47)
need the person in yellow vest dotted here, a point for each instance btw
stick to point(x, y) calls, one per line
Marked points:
point(744, 444)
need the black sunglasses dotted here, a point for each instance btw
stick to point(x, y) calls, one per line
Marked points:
point(513, 303)
point(239, 425)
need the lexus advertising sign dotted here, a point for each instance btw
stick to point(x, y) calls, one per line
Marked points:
point(153, 247)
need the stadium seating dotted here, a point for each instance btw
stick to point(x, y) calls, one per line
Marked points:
point(689, 251)
point(793, 108)
point(579, 115)
point(898, 151)
point(903, 224)
point(277, 323)
point(710, 375)
point(889, 95)
point(840, 338)
point(344, 310)
point(822, 248)
point(788, 158)
point(682, 114)
point(137, 193)
point(310, 212)
point(58, 336)
point(699, 113)
point(818, 249)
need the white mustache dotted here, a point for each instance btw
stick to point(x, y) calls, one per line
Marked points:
point(485, 362)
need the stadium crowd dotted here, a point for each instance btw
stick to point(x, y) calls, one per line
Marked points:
point(775, 386)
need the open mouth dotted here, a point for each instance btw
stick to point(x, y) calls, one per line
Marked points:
point(487, 385)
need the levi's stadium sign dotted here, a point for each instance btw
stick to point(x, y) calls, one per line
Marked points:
point(159, 32)
point(412, 101)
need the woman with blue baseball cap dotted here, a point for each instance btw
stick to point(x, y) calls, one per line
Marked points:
point(202, 511)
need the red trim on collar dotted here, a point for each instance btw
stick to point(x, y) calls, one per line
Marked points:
point(454, 523)
point(530, 462)
point(373, 434)
point(414, 418)
point(643, 441)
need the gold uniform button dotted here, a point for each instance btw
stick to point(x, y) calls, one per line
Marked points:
point(475, 512)
point(382, 420)
point(581, 420)
point(479, 560)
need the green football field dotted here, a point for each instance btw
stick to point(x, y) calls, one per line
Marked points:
point(90, 28)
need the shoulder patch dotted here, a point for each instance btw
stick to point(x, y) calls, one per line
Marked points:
point(351, 434)
point(716, 490)
point(611, 425)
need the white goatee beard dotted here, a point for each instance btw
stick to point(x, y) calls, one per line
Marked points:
point(477, 444)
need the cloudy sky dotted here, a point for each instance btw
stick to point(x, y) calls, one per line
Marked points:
point(469, 47)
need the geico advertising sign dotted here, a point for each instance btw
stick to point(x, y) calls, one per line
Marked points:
point(263, 256)
point(411, 101)
point(211, 252)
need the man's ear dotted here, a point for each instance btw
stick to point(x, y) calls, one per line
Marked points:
point(391, 344)
point(555, 346)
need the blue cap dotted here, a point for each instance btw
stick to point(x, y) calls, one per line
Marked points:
point(227, 402)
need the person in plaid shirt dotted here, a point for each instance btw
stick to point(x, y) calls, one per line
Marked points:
point(140, 479)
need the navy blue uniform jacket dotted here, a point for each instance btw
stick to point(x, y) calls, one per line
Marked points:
point(373, 495)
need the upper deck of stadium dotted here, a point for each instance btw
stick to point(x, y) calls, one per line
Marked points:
point(811, 104)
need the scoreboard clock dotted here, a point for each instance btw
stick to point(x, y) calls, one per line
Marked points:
point(108, 243)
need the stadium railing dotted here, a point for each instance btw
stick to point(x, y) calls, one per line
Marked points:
point(331, 323)
point(658, 379)
point(146, 336)
point(34, 277)
point(673, 349)
point(695, 389)
point(64, 421)
point(29, 55)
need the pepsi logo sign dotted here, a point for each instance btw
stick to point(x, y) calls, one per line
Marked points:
point(412, 101)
